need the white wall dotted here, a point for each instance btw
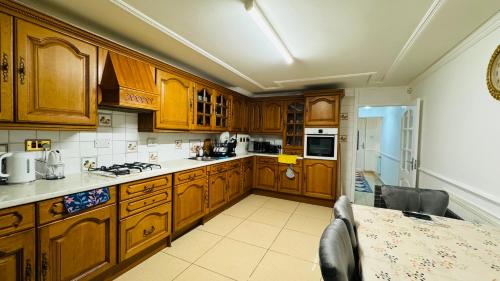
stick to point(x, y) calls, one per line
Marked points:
point(382, 96)
point(460, 127)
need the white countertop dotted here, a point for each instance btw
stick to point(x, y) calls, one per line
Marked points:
point(18, 194)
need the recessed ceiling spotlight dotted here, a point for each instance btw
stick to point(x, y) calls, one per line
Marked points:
point(259, 18)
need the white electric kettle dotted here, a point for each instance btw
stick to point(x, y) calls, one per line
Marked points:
point(20, 167)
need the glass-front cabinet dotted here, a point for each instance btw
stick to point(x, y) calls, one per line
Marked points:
point(294, 127)
point(203, 98)
point(221, 116)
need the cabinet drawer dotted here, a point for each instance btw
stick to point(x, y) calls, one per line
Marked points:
point(298, 164)
point(143, 187)
point(217, 168)
point(267, 160)
point(190, 175)
point(16, 219)
point(140, 231)
point(134, 206)
point(234, 165)
point(53, 209)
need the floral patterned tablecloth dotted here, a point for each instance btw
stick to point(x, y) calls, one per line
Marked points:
point(393, 247)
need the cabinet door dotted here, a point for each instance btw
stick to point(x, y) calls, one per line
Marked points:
point(290, 185)
point(221, 111)
point(236, 114)
point(176, 104)
point(17, 256)
point(255, 111)
point(203, 108)
point(234, 183)
point(293, 133)
point(6, 91)
point(265, 176)
point(217, 191)
point(189, 202)
point(320, 178)
point(140, 231)
point(79, 247)
point(244, 115)
point(57, 77)
point(322, 111)
point(247, 176)
point(272, 117)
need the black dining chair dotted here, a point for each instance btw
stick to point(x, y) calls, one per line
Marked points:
point(342, 209)
point(335, 253)
point(429, 201)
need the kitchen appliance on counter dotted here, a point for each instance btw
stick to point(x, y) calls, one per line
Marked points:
point(3, 171)
point(320, 143)
point(225, 149)
point(265, 147)
point(54, 167)
point(117, 170)
point(19, 167)
point(242, 144)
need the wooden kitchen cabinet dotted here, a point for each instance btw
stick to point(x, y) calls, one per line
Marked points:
point(217, 186)
point(293, 133)
point(320, 178)
point(234, 181)
point(221, 111)
point(17, 256)
point(265, 176)
point(79, 247)
point(189, 202)
point(203, 107)
point(56, 77)
point(255, 117)
point(323, 108)
point(239, 120)
point(272, 116)
point(6, 60)
point(176, 101)
point(290, 185)
point(247, 174)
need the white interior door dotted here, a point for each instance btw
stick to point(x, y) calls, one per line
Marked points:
point(410, 124)
point(360, 153)
point(372, 143)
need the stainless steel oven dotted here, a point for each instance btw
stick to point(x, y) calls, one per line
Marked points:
point(320, 143)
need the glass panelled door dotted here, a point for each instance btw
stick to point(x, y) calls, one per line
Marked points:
point(203, 113)
point(221, 111)
point(295, 124)
point(410, 123)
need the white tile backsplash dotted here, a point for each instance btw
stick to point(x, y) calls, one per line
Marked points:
point(79, 146)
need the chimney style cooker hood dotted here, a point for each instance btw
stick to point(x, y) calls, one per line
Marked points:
point(128, 83)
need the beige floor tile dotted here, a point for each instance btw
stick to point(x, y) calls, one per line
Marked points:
point(232, 258)
point(297, 244)
point(221, 224)
point(314, 211)
point(269, 216)
point(255, 233)
point(192, 245)
point(305, 224)
point(242, 210)
point(196, 273)
point(160, 267)
point(255, 199)
point(276, 267)
point(281, 205)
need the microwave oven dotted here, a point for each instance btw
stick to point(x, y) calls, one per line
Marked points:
point(320, 143)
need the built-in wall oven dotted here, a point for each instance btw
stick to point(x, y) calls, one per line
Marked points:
point(320, 143)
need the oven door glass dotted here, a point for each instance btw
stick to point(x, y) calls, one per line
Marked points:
point(321, 146)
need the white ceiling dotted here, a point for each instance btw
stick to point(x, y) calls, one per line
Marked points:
point(353, 43)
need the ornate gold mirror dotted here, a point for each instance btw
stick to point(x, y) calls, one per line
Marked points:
point(493, 76)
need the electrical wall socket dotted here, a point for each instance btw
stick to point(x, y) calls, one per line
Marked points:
point(37, 144)
point(102, 143)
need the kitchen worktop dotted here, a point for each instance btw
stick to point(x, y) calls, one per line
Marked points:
point(18, 194)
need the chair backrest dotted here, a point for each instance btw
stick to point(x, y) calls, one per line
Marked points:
point(429, 201)
point(342, 209)
point(335, 253)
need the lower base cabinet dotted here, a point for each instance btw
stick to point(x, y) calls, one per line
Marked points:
point(140, 231)
point(265, 176)
point(247, 174)
point(234, 184)
point(17, 256)
point(217, 186)
point(290, 185)
point(79, 247)
point(320, 178)
point(190, 201)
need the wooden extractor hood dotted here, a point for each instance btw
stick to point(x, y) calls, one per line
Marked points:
point(128, 83)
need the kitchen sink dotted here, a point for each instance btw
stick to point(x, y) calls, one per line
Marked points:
point(204, 158)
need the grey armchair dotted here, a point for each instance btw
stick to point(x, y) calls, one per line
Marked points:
point(429, 201)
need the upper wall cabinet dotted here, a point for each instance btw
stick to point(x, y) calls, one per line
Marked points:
point(6, 91)
point(237, 114)
point(222, 103)
point(203, 100)
point(254, 117)
point(272, 116)
point(176, 101)
point(323, 108)
point(56, 77)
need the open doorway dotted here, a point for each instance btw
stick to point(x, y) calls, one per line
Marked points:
point(385, 152)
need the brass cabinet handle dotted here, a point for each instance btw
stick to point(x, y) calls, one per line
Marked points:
point(147, 232)
point(148, 189)
point(27, 271)
point(45, 266)
point(22, 71)
point(5, 67)
point(53, 209)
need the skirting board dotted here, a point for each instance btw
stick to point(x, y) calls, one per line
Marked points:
point(468, 209)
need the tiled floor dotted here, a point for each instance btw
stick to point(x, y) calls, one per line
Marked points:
point(367, 198)
point(259, 238)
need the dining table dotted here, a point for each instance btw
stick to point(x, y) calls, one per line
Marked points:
point(394, 247)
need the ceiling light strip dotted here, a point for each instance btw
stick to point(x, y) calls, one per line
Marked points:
point(133, 11)
point(420, 27)
point(263, 23)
